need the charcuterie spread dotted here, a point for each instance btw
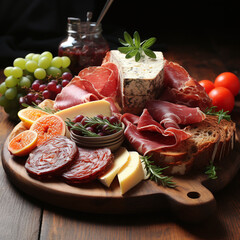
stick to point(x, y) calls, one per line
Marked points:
point(130, 119)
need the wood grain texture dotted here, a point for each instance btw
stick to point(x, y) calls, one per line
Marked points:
point(190, 200)
point(20, 218)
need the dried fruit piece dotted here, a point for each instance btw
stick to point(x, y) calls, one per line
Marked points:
point(47, 127)
point(30, 115)
point(23, 143)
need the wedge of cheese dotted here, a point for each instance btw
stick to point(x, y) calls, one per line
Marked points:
point(131, 173)
point(120, 159)
point(139, 81)
point(90, 109)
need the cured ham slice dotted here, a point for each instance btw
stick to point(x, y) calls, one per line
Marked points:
point(93, 83)
point(181, 88)
point(154, 130)
point(73, 94)
point(171, 115)
point(104, 79)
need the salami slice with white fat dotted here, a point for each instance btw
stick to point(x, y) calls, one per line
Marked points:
point(89, 164)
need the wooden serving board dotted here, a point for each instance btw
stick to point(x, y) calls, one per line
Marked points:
point(191, 200)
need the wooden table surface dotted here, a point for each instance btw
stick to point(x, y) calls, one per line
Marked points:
point(23, 218)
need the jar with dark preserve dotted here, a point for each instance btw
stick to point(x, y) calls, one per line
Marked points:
point(84, 45)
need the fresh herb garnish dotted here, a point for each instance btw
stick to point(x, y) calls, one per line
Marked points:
point(156, 173)
point(211, 171)
point(97, 122)
point(81, 128)
point(221, 114)
point(45, 109)
point(134, 47)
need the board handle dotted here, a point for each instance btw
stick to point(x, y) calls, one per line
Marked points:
point(192, 202)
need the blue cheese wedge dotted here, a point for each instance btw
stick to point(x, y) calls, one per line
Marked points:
point(139, 81)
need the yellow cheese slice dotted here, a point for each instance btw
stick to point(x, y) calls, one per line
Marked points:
point(120, 158)
point(90, 109)
point(131, 173)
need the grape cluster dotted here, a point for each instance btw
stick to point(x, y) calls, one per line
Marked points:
point(101, 125)
point(45, 89)
point(33, 79)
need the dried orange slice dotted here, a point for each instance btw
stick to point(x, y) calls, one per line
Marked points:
point(48, 126)
point(23, 143)
point(30, 115)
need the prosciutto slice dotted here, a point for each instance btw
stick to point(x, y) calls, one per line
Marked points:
point(181, 88)
point(155, 130)
point(92, 83)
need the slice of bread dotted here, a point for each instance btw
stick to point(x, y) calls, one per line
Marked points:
point(210, 141)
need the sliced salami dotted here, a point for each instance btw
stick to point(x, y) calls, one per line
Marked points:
point(89, 164)
point(51, 158)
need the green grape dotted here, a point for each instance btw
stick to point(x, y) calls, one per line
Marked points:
point(65, 61)
point(44, 62)
point(3, 88)
point(65, 70)
point(11, 107)
point(11, 93)
point(3, 101)
point(8, 71)
point(17, 72)
point(11, 81)
point(31, 66)
point(19, 62)
point(56, 62)
point(29, 56)
point(36, 57)
point(47, 54)
point(25, 82)
point(40, 73)
point(54, 71)
point(30, 77)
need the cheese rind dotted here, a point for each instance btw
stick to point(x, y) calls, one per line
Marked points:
point(120, 159)
point(131, 173)
point(90, 109)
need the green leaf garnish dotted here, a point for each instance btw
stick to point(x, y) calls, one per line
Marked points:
point(156, 173)
point(211, 171)
point(133, 47)
point(220, 114)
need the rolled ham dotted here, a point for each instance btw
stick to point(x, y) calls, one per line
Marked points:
point(160, 127)
point(181, 88)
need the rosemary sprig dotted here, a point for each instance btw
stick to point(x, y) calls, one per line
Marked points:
point(221, 114)
point(45, 109)
point(211, 171)
point(81, 128)
point(94, 121)
point(101, 122)
point(155, 173)
point(134, 47)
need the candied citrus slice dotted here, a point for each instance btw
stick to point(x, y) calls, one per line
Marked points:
point(30, 115)
point(47, 127)
point(23, 143)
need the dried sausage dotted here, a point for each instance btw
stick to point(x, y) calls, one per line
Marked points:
point(51, 158)
point(89, 164)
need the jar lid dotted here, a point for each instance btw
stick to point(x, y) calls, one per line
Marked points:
point(74, 24)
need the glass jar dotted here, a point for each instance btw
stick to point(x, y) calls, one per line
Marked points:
point(84, 45)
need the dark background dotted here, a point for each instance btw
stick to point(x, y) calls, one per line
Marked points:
point(39, 25)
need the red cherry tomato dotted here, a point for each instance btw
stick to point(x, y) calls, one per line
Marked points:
point(207, 84)
point(228, 80)
point(222, 98)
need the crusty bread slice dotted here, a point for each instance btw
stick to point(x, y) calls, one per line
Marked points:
point(210, 141)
